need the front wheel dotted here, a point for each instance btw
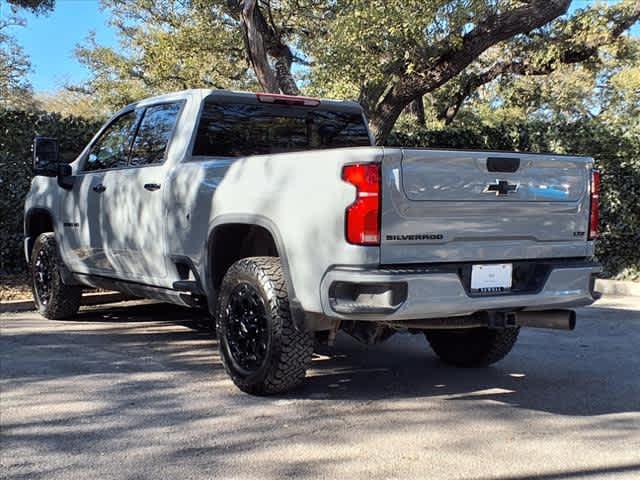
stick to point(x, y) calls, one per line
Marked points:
point(53, 299)
point(262, 350)
point(476, 347)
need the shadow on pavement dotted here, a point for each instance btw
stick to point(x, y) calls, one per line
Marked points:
point(145, 379)
point(569, 373)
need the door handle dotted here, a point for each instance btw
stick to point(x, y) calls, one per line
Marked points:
point(152, 187)
point(99, 188)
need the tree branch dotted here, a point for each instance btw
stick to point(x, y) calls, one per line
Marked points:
point(452, 61)
point(568, 54)
point(627, 21)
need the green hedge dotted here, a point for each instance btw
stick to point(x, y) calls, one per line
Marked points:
point(17, 129)
point(616, 153)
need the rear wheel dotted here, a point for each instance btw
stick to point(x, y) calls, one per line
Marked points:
point(476, 347)
point(261, 349)
point(53, 299)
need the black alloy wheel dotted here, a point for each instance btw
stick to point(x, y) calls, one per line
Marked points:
point(53, 298)
point(247, 331)
point(262, 349)
point(43, 266)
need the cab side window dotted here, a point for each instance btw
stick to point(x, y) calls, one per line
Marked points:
point(153, 134)
point(111, 150)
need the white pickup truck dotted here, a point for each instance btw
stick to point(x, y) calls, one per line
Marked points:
point(277, 216)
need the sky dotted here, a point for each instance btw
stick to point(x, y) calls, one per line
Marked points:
point(49, 40)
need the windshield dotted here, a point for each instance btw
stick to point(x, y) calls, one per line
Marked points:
point(238, 129)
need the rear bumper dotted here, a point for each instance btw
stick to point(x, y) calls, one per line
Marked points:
point(432, 292)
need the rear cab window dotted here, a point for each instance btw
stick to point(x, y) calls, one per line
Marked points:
point(154, 134)
point(231, 129)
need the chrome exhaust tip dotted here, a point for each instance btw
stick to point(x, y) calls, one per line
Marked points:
point(554, 319)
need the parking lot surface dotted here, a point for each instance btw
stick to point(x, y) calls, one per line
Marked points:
point(137, 391)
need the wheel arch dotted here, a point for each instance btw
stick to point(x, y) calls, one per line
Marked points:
point(37, 220)
point(262, 229)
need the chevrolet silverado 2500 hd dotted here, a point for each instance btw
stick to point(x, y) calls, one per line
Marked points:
point(278, 216)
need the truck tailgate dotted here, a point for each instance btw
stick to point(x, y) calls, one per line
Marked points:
point(444, 206)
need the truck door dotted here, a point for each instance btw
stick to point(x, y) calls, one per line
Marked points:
point(136, 199)
point(85, 229)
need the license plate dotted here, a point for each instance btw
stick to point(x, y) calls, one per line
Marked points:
point(491, 278)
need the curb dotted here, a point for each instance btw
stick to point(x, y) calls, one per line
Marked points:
point(87, 299)
point(617, 287)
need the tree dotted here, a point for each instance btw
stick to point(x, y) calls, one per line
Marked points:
point(265, 45)
point(15, 89)
point(580, 41)
point(388, 54)
point(70, 103)
point(164, 45)
point(391, 53)
point(609, 90)
point(176, 44)
point(35, 6)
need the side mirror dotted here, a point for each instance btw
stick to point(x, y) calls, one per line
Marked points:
point(45, 156)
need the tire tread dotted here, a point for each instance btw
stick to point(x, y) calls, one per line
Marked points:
point(292, 348)
point(65, 299)
point(478, 347)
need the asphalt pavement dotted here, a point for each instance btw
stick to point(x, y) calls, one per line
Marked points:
point(137, 391)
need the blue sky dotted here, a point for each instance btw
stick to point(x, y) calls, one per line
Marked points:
point(50, 40)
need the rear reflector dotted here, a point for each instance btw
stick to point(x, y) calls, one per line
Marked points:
point(287, 99)
point(594, 212)
point(362, 220)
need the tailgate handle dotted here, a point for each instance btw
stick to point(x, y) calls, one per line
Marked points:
point(502, 164)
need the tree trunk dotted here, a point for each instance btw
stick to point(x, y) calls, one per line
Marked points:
point(283, 73)
point(417, 108)
point(449, 112)
point(255, 46)
point(262, 43)
point(385, 117)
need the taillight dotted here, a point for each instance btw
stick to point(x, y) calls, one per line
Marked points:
point(363, 215)
point(594, 212)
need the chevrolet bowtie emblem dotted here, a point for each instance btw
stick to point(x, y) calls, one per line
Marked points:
point(501, 187)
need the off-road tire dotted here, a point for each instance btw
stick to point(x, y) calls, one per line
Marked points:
point(62, 301)
point(476, 347)
point(289, 350)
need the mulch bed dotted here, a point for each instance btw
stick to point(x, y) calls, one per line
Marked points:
point(18, 287)
point(15, 287)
